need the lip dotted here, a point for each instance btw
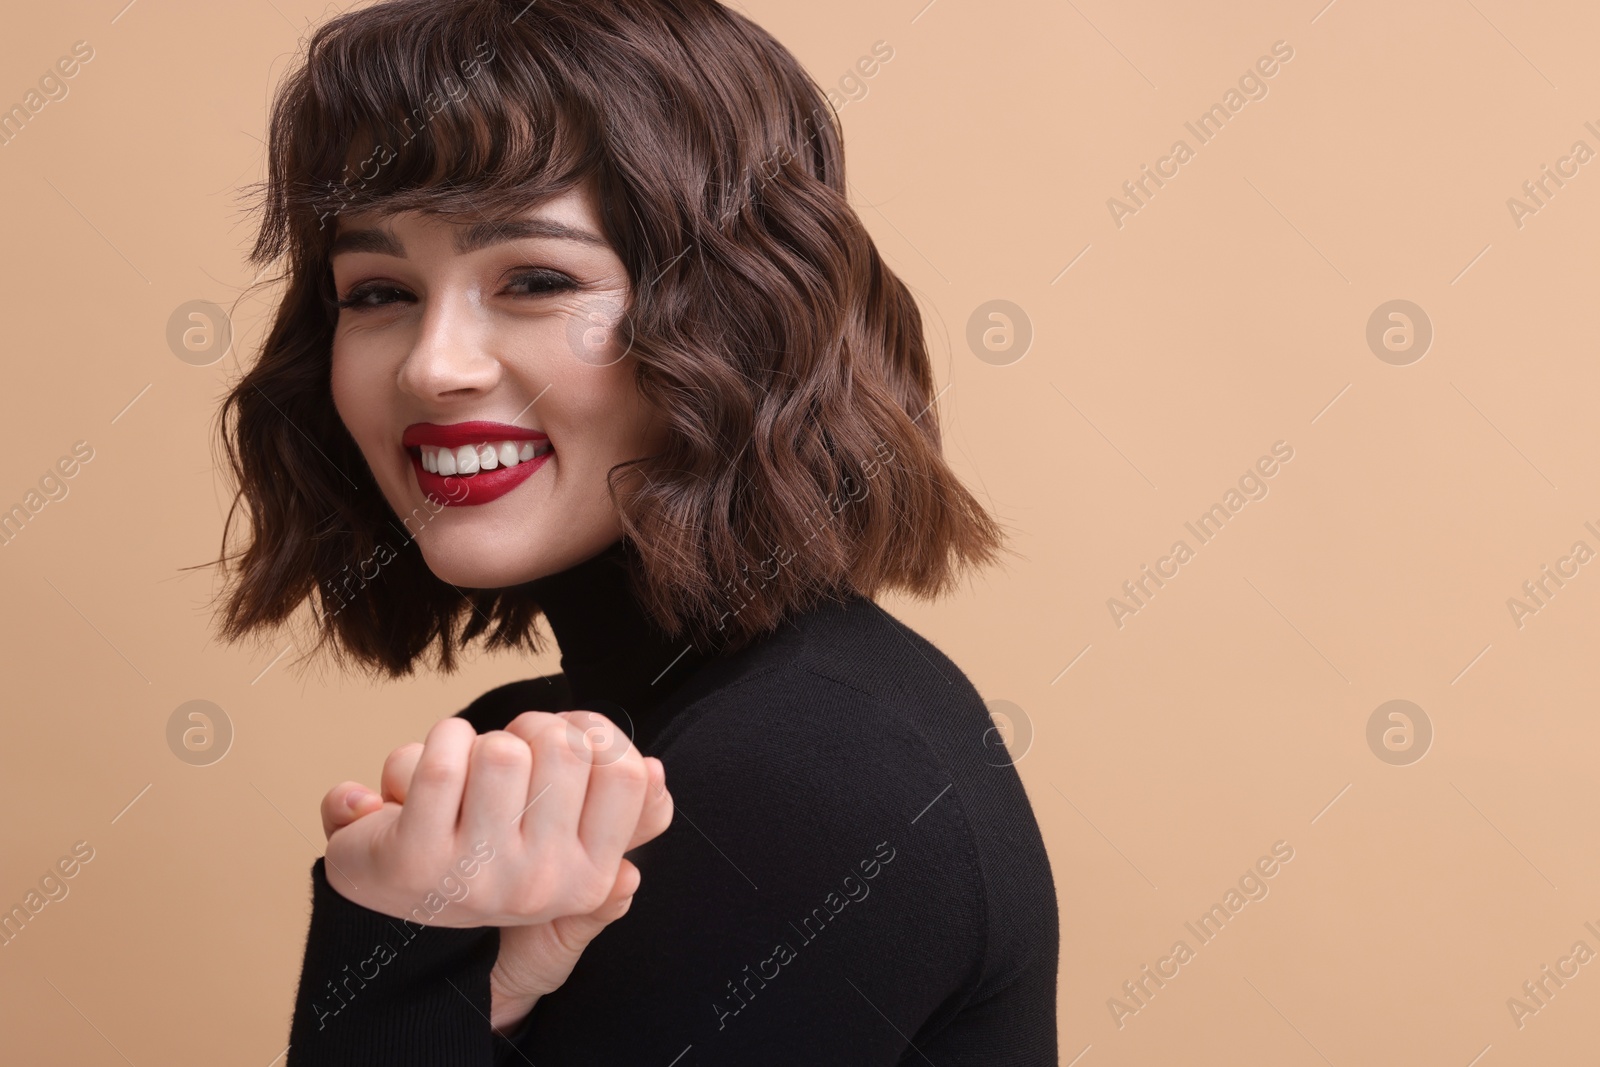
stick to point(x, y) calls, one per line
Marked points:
point(465, 433)
point(453, 490)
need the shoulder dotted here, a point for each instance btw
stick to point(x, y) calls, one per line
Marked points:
point(848, 723)
point(841, 651)
point(844, 686)
point(497, 707)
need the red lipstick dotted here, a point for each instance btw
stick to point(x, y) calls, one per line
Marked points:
point(482, 486)
point(466, 433)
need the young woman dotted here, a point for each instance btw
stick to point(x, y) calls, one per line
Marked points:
point(577, 323)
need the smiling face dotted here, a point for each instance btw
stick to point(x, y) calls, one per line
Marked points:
point(476, 366)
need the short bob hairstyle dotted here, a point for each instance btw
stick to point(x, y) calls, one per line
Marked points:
point(786, 358)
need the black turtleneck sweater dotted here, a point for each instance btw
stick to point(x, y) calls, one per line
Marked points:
point(853, 874)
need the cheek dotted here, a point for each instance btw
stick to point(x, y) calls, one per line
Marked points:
point(602, 421)
point(608, 413)
point(592, 407)
point(356, 393)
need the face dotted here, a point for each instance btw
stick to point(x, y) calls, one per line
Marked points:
point(478, 370)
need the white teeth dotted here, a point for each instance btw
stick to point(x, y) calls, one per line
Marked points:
point(470, 459)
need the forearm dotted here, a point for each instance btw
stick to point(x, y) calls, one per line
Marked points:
point(375, 989)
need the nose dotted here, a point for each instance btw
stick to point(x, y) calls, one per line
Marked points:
point(450, 359)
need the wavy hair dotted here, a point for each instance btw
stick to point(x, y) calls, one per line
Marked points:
point(803, 459)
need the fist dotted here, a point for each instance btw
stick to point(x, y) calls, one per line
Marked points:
point(514, 827)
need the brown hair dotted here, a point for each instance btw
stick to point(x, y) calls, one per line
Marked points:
point(785, 356)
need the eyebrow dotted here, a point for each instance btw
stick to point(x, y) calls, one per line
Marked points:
point(468, 239)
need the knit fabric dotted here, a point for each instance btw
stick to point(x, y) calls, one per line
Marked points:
point(853, 874)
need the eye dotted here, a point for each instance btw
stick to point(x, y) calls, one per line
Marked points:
point(372, 295)
point(540, 282)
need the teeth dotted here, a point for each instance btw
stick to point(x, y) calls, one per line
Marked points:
point(470, 459)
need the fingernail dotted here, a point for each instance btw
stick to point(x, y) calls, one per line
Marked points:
point(357, 797)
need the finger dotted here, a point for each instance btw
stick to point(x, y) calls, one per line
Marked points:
point(345, 803)
point(497, 787)
point(657, 814)
point(626, 885)
point(574, 932)
point(433, 802)
point(559, 779)
point(398, 769)
point(615, 798)
point(604, 740)
point(351, 852)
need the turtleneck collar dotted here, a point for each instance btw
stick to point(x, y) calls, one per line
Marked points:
point(612, 651)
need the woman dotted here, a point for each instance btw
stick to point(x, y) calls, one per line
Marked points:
point(579, 324)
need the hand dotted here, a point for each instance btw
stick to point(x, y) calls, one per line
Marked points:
point(516, 827)
point(533, 960)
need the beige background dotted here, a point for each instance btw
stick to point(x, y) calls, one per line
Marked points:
point(1227, 314)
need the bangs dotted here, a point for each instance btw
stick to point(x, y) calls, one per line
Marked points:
point(394, 115)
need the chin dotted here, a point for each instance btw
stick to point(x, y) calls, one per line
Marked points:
point(475, 566)
point(486, 557)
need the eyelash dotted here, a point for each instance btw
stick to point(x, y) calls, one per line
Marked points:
point(548, 282)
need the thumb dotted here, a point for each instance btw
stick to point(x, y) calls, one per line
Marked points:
point(535, 960)
point(622, 890)
point(657, 813)
point(576, 931)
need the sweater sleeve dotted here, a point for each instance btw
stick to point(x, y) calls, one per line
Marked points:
point(375, 989)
